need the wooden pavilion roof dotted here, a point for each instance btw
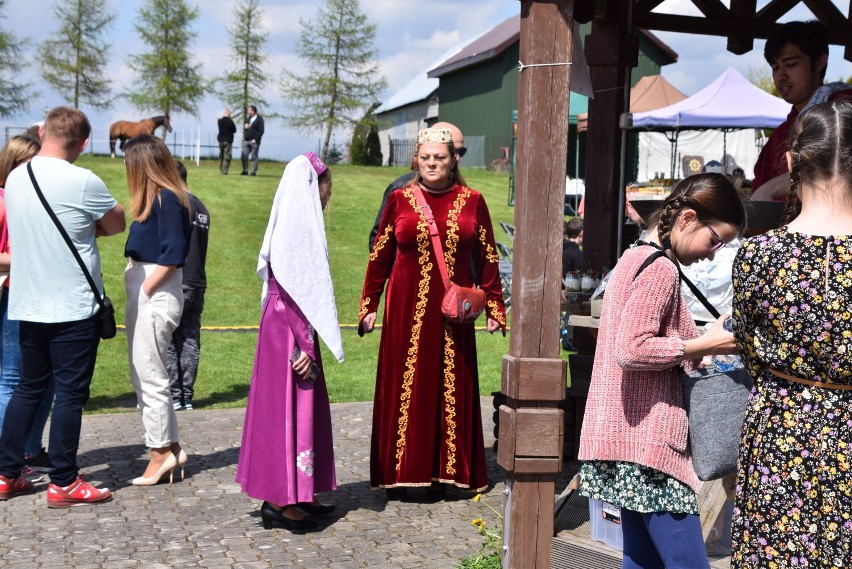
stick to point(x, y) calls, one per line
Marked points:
point(742, 23)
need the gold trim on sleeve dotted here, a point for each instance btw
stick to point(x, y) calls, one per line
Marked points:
point(381, 241)
point(490, 253)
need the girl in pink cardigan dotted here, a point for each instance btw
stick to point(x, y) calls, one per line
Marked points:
point(634, 437)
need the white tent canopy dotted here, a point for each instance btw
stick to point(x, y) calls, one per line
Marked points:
point(731, 101)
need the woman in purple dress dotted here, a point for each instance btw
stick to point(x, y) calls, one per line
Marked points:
point(286, 455)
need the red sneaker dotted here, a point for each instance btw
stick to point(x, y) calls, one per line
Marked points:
point(77, 493)
point(13, 486)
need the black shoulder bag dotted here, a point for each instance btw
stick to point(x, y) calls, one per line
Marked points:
point(106, 312)
point(715, 402)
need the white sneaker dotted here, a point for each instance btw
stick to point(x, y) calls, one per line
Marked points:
point(177, 406)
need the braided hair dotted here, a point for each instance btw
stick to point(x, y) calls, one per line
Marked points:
point(821, 149)
point(711, 195)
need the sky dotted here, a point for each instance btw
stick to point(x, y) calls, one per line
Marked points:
point(410, 35)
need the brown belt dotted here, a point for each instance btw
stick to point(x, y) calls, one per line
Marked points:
point(788, 377)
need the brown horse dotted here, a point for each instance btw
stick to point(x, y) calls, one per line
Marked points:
point(122, 130)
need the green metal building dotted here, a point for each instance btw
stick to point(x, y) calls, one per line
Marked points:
point(479, 91)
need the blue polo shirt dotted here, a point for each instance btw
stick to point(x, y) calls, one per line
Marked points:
point(163, 238)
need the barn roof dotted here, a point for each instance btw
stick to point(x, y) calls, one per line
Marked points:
point(496, 40)
point(421, 86)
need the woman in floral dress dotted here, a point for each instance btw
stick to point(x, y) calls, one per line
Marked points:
point(793, 325)
point(634, 437)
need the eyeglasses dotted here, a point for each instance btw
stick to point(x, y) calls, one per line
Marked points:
point(719, 243)
point(461, 151)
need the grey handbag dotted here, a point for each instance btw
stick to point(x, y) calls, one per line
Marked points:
point(715, 402)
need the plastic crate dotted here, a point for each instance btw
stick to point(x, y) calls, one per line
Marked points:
point(605, 524)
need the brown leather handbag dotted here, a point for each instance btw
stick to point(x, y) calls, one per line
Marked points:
point(460, 304)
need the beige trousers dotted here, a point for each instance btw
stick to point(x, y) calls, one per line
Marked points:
point(150, 324)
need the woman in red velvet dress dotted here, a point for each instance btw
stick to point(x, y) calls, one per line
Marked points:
point(427, 427)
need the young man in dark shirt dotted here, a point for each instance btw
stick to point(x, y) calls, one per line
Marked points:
point(227, 129)
point(185, 349)
point(572, 258)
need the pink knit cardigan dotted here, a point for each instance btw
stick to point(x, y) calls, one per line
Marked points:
point(635, 412)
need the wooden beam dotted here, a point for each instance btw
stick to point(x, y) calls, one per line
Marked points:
point(742, 23)
point(826, 12)
point(774, 10)
point(712, 8)
point(530, 437)
point(847, 53)
point(682, 24)
point(610, 71)
point(540, 180)
point(645, 5)
point(741, 32)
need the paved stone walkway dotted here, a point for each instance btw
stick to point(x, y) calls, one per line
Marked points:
point(205, 521)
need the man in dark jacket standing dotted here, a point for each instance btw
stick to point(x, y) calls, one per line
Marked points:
point(252, 133)
point(227, 129)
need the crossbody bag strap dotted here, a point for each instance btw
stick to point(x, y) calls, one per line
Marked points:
point(426, 214)
point(65, 236)
point(690, 285)
point(698, 294)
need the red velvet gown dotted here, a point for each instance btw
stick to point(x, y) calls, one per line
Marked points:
point(426, 417)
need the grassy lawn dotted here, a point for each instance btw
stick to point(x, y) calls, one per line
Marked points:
point(239, 209)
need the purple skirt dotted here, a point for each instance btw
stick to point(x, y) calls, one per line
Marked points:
point(286, 454)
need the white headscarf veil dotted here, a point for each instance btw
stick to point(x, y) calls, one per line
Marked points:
point(296, 248)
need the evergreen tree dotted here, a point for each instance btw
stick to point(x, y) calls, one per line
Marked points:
point(168, 79)
point(14, 97)
point(245, 83)
point(335, 155)
point(343, 76)
point(373, 147)
point(74, 60)
point(358, 144)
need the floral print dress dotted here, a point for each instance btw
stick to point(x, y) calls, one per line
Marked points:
point(793, 313)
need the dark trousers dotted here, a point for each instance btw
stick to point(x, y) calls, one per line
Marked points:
point(185, 349)
point(249, 152)
point(64, 353)
point(658, 540)
point(225, 156)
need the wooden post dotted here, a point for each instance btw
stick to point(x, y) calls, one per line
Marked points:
point(611, 50)
point(530, 439)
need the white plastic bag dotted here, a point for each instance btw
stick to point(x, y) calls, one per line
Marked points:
point(713, 279)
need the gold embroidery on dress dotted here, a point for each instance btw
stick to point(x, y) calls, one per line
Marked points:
point(380, 242)
point(490, 254)
point(423, 248)
point(364, 310)
point(453, 228)
point(496, 313)
point(450, 398)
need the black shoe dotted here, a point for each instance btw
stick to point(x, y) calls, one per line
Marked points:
point(243, 173)
point(396, 493)
point(436, 492)
point(40, 462)
point(314, 510)
point(253, 174)
point(276, 518)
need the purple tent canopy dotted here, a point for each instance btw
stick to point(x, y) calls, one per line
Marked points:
point(731, 101)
